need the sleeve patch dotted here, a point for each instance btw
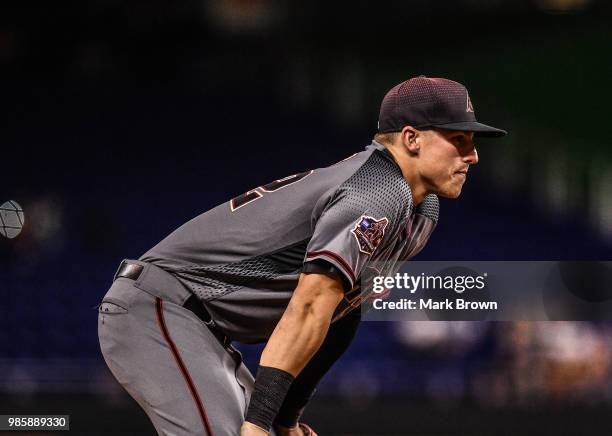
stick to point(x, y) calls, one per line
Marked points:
point(369, 233)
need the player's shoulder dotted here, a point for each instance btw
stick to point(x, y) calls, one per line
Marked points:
point(379, 180)
point(375, 188)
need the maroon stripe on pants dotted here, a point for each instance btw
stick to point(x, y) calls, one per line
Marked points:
point(159, 305)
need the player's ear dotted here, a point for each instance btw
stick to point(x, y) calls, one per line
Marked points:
point(409, 137)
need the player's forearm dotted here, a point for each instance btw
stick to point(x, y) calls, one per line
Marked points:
point(337, 340)
point(297, 336)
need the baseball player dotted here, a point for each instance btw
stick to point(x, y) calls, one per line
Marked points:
point(283, 264)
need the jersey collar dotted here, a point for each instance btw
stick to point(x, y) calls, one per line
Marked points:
point(379, 146)
point(385, 152)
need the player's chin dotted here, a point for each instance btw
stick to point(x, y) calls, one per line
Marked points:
point(452, 190)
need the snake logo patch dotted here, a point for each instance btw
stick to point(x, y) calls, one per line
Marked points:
point(369, 233)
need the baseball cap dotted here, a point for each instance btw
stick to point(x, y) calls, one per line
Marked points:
point(431, 102)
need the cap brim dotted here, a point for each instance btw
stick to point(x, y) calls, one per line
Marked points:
point(479, 129)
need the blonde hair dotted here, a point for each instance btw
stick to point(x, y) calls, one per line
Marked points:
point(386, 138)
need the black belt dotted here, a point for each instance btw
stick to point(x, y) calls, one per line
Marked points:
point(132, 271)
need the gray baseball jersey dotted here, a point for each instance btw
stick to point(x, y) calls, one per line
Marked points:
point(242, 259)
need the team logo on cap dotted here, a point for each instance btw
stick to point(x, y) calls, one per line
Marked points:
point(469, 107)
point(369, 233)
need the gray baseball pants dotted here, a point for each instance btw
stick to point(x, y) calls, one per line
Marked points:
point(168, 360)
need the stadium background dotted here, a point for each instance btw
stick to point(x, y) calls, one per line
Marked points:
point(122, 120)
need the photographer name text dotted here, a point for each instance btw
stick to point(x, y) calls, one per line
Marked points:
point(457, 284)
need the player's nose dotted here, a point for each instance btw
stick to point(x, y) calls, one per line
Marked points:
point(471, 157)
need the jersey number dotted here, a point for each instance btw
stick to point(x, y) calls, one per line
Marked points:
point(254, 194)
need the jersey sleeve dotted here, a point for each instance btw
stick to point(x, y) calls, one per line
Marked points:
point(363, 215)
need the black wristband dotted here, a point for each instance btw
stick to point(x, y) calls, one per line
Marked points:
point(271, 387)
point(291, 411)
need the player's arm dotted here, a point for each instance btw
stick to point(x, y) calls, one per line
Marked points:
point(337, 341)
point(305, 323)
point(296, 338)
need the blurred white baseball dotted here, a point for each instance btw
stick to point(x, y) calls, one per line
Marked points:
point(11, 219)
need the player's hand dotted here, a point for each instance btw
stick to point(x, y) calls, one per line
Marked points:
point(286, 431)
point(299, 430)
point(249, 429)
point(306, 430)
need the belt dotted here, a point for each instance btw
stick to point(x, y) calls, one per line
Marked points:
point(132, 271)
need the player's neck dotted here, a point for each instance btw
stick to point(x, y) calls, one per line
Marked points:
point(417, 187)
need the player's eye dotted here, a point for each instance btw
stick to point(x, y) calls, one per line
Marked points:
point(459, 139)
